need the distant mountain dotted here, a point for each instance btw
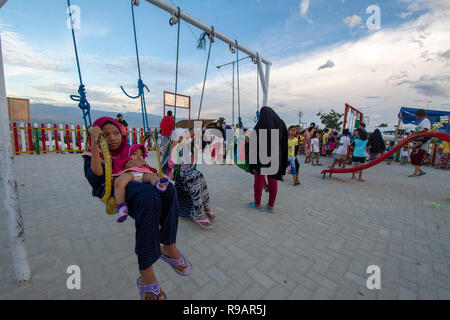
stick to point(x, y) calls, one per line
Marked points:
point(48, 114)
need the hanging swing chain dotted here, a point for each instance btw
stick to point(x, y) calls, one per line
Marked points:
point(238, 84)
point(176, 19)
point(83, 103)
point(257, 88)
point(211, 41)
point(141, 85)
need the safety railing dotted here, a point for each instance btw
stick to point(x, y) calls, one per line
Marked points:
point(37, 138)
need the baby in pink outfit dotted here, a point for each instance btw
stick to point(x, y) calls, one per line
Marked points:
point(142, 172)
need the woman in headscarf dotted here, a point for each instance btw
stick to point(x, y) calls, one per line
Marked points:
point(269, 120)
point(155, 213)
point(376, 145)
point(190, 183)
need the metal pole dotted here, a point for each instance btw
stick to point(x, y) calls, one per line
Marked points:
point(233, 94)
point(197, 23)
point(9, 187)
point(266, 93)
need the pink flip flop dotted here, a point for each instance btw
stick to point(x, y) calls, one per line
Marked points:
point(199, 222)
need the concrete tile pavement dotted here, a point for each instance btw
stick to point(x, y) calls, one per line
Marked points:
point(318, 244)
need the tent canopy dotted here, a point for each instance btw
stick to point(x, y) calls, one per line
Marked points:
point(408, 115)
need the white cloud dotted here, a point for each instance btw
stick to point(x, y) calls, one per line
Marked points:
point(405, 15)
point(304, 7)
point(17, 53)
point(385, 71)
point(353, 21)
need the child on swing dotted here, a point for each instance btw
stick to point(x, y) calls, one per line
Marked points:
point(130, 166)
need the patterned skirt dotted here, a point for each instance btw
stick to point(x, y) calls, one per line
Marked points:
point(193, 195)
point(444, 162)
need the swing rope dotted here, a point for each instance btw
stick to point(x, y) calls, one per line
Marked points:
point(141, 85)
point(257, 89)
point(202, 45)
point(238, 84)
point(175, 19)
point(81, 98)
point(86, 108)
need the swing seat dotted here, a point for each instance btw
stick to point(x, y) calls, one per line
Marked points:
point(242, 165)
point(111, 206)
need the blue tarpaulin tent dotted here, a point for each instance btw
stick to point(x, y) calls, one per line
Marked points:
point(408, 115)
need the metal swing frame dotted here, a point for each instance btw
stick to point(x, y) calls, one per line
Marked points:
point(264, 76)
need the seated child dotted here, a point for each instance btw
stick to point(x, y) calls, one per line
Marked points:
point(141, 172)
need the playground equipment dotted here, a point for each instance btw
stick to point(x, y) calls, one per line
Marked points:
point(440, 135)
point(176, 16)
point(235, 47)
point(408, 116)
point(352, 118)
point(444, 124)
point(10, 195)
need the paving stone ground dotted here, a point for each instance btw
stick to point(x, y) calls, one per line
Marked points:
point(318, 244)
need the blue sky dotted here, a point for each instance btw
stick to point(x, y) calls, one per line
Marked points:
point(406, 62)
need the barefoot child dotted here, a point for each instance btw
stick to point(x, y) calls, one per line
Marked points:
point(292, 144)
point(359, 153)
point(130, 166)
point(315, 148)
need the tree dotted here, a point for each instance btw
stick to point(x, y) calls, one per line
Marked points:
point(383, 125)
point(331, 120)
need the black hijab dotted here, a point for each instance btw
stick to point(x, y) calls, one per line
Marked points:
point(376, 142)
point(269, 120)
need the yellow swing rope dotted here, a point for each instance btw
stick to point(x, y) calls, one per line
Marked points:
point(439, 125)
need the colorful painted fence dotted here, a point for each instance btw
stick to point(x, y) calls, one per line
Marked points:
point(37, 138)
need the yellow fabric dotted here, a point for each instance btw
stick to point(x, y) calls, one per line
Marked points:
point(325, 139)
point(445, 147)
point(292, 143)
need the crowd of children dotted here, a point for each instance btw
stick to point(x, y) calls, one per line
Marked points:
point(356, 148)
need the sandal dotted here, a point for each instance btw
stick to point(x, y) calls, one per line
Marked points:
point(183, 262)
point(421, 174)
point(253, 206)
point(152, 288)
point(202, 221)
point(269, 210)
point(211, 214)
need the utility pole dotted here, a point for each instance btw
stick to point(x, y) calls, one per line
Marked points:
point(9, 186)
point(300, 115)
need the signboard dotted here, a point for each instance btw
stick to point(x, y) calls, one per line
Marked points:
point(18, 109)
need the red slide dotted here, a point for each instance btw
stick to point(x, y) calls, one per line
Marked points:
point(440, 135)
